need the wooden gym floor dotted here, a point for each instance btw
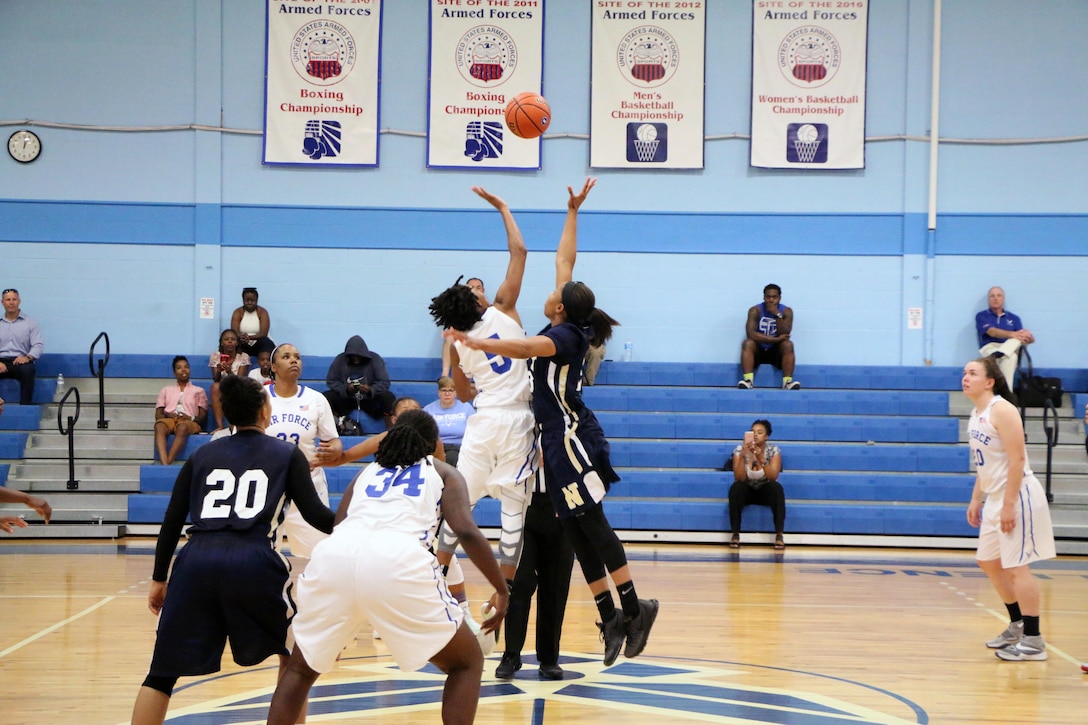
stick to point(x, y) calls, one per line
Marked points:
point(814, 636)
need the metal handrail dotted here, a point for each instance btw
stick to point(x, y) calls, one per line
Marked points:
point(73, 484)
point(1049, 411)
point(101, 375)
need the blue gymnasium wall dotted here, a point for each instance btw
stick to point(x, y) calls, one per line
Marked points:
point(124, 232)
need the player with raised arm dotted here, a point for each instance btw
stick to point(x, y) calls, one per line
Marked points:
point(498, 454)
point(577, 469)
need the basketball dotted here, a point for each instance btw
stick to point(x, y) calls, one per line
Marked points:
point(528, 115)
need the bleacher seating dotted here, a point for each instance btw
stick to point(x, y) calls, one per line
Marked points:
point(866, 450)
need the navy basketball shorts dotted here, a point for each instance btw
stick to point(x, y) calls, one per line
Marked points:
point(577, 468)
point(223, 586)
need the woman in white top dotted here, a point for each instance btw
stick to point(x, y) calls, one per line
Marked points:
point(302, 416)
point(1014, 520)
point(251, 322)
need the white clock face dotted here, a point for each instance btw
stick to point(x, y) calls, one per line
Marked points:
point(24, 146)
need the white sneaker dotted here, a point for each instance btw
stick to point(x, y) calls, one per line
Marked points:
point(791, 385)
point(1029, 648)
point(1012, 634)
point(744, 384)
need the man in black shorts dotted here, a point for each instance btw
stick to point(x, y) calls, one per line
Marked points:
point(768, 339)
point(228, 581)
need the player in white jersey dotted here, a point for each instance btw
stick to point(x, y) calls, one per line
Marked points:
point(302, 416)
point(499, 455)
point(1014, 522)
point(376, 566)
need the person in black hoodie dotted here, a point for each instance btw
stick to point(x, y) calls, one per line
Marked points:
point(358, 380)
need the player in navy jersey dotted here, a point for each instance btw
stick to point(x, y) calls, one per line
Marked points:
point(228, 581)
point(377, 566)
point(577, 469)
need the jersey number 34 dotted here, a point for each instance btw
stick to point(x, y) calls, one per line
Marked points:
point(411, 479)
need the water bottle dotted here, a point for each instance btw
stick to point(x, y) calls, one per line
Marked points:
point(628, 351)
point(60, 387)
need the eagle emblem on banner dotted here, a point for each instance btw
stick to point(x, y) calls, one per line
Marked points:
point(809, 56)
point(486, 56)
point(648, 56)
point(323, 53)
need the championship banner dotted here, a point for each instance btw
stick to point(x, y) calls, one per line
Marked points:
point(321, 82)
point(648, 74)
point(483, 53)
point(808, 83)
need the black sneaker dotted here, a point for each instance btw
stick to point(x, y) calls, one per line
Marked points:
point(550, 672)
point(638, 629)
point(613, 632)
point(510, 664)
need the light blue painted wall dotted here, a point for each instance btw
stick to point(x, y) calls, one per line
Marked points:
point(129, 266)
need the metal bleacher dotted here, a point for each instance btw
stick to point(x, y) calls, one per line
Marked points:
point(872, 455)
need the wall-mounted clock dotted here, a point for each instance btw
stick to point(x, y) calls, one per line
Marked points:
point(24, 146)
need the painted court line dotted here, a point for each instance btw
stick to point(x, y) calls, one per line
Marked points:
point(55, 627)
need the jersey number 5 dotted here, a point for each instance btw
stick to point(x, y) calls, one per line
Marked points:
point(245, 496)
point(498, 363)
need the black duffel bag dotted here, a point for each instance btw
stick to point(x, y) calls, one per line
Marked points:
point(1032, 391)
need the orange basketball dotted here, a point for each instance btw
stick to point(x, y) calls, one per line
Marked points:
point(528, 115)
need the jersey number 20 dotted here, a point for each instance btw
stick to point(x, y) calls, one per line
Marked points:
point(245, 496)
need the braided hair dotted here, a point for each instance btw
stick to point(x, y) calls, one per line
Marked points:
point(242, 398)
point(413, 437)
point(456, 307)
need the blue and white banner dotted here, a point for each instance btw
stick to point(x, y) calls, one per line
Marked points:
point(808, 83)
point(483, 53)
point(321, 82)
point(649, 68)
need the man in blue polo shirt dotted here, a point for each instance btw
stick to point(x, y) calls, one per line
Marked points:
point(1001, 333)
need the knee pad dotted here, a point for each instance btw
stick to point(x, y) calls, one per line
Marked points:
point(165, 685)
point(454, 573)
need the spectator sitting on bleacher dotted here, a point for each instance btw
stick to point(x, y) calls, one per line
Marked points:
point(358, 380)
point(20, 345)
point(251, 322)
point(768, 339)
point(1001, 334)
point(756, 466)
point(227, 361)
point(181, 409)
point(452, 416)
point(263, 372)
point(10, 495)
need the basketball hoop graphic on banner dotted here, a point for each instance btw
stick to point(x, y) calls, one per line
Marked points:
point(647, 142)
point(806, 143)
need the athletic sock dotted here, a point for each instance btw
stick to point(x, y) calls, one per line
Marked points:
point(1031, 626)
point(749, 376)
point(628, 599)
point(1014, 611)
point(786, 380)
point(606, 606)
